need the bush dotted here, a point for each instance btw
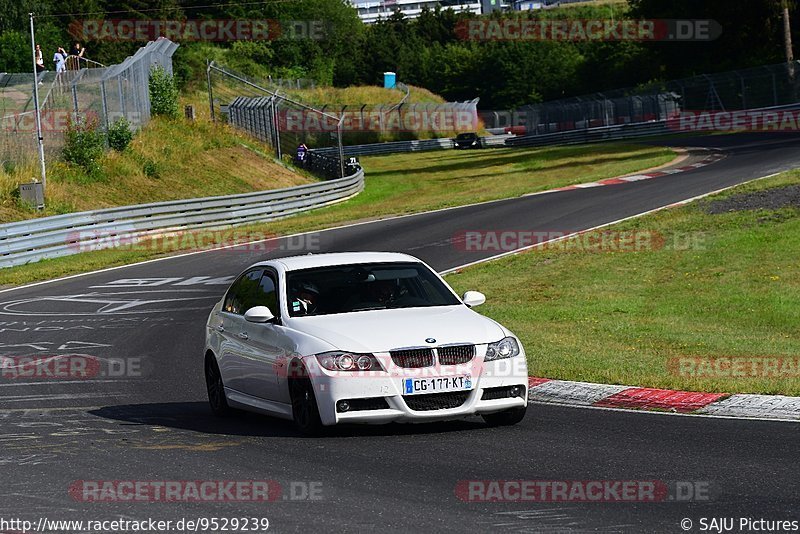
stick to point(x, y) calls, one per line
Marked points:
point(163, 93)
point(150, 169)
point(120, 134)
point(84, 145)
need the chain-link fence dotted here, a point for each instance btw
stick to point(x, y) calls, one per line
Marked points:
point(297, 130)
point(93, 92)
point(278, 120)
point(759, 87)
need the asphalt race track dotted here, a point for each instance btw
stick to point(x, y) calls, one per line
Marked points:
point(145, 418)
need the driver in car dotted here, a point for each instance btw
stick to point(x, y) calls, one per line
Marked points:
point(381, 291)
point(305, 298)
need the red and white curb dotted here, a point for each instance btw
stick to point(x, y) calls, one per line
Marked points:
point(585, 394)
point(708, 160)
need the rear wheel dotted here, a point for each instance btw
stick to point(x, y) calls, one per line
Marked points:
point(505, 418)
point(304, 407)
point(215, 388)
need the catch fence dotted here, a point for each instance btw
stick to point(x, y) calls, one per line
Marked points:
point(767, 86)
point(92, 92)
point(286, 123)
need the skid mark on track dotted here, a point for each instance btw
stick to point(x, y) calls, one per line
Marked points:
point(551, 520)
point(193, 447)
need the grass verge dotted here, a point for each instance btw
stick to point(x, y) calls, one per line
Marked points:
point(409, 183)
point(721, 286)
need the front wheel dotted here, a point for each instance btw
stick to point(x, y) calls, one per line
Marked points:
point(505, 418)
point(215, 388)
point(304, 407)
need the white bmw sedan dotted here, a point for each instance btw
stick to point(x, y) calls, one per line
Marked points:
point(359, 338)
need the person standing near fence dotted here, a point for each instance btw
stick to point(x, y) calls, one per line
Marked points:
point(300, 158)
point(60, 60)
point(39, 63)
point(76, 53)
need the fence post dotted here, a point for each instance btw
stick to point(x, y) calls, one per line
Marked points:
point(104, 104)
point(744, 96)
point(209, 64)
point(121, 96)
point(774, 90)
point(341, 148)
point(75, 98)
point(277, 126)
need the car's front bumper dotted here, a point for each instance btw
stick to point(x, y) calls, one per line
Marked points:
point(330, 388)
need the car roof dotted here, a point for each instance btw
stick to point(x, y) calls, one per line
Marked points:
point(309, 261)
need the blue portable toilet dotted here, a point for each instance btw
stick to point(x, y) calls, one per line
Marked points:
point(389, 80)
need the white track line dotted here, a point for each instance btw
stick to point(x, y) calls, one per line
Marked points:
point(573, 234)
point(349, 225)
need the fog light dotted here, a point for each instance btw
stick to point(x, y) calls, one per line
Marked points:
point(342, 406)
point(514, 391)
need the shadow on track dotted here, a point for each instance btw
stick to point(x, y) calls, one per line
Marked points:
point(196, 417)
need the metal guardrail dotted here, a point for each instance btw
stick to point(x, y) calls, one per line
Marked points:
point(593, 135)
point(63, 235)
point(626, 131)
point(417, 145)
point(391, 147)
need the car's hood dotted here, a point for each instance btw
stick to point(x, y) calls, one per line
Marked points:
point(384, 330)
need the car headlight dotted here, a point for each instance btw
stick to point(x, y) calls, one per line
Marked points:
point(505, 348)
point(349, 361)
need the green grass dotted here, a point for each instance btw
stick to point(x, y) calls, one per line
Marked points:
point(361, 94)
point(730, 288)
point(410, 183)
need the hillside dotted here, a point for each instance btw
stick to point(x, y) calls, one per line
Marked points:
point(167, 160)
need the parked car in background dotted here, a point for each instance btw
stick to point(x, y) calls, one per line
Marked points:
point(467, 140)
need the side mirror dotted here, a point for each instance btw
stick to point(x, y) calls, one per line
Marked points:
point(473, 298)
point(258, 314)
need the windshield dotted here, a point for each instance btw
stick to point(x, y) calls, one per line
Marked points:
point(466, 136)
point(361, 287)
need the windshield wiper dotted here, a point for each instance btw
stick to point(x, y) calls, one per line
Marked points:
point(370, 308)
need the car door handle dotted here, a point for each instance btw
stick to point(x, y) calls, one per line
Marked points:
point(243, 335)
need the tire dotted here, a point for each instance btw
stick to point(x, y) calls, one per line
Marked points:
point(305, 411)
point(505, 418)
point(215, 388)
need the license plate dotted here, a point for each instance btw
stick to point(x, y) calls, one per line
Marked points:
point(440, 384)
